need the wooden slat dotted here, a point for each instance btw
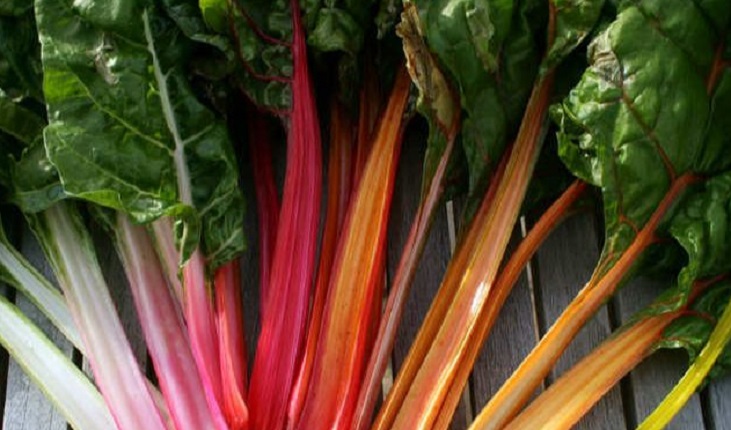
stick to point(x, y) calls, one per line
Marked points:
point(718, 407)
point(655, 377)
point(564, 264)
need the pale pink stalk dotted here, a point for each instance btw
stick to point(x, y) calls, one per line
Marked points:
point(164, 330)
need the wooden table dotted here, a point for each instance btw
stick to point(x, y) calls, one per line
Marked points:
point(557, 272)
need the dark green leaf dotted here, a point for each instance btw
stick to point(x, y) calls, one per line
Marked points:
point(261, 31)
point(15, 7)
point(702, 225)
point(692, 330)
point(20, 59)
point(574, 21)
point(125, 129)
point(18, 121)
point(388, 13)
point(437, 99)
point(35, 185)
point(488, 49)
point(641, 115)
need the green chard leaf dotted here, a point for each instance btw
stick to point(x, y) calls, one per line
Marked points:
point(19, 121)
point(27, 177)
point(692, 330)
point(702, 226)
point(125, 129)
point(339, 26)
point(437, 100)
point(645, 112)
point(574, 21)
point(488, 51)
point(261, 31)
point(34, 183)
point(386, 17)
point(15, 7)
point(20, 60)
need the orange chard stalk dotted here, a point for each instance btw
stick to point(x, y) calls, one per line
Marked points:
point(284, 325)
point(424, 395)
point(427, 373)
point(267, 201)
point(341, 350)
point(445, 108)
point(339, 189)
point(568, 399)
point(516, 391)
point(509, 275)
point(232, 350)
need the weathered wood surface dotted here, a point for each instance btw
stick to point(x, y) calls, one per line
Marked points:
point(557, 272)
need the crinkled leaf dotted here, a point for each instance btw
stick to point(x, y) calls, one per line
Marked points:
point(437, 101)
point(187, 16)
point(388, 13)
point(18, 121)
point(702, 225)
point(15, 7)
point(488, 49)
point(691, 331)
point(35, 183)
point(214, 59)
point(340, 26)
point(641, 114)
point(27, 177)
point(8, 149)
point(574, 21)
point(261, 31)
point(20, 60)
point(126, 130)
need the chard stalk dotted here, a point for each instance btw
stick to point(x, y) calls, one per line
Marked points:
point(69, 249)
point(195, 304)
point(162, 231)
point(568, 399)
point(26, 279)
point(520, 386)
point(571, 396)
point(232, 350)
point(67, 387)
point(439, 306)
point(418, 401)
point(341, 350)
point(190, 404)
point(694, 377)
point(283, 326)
point(509, 275)
point(399, 292)
point(339, 190)
point(200, 318)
